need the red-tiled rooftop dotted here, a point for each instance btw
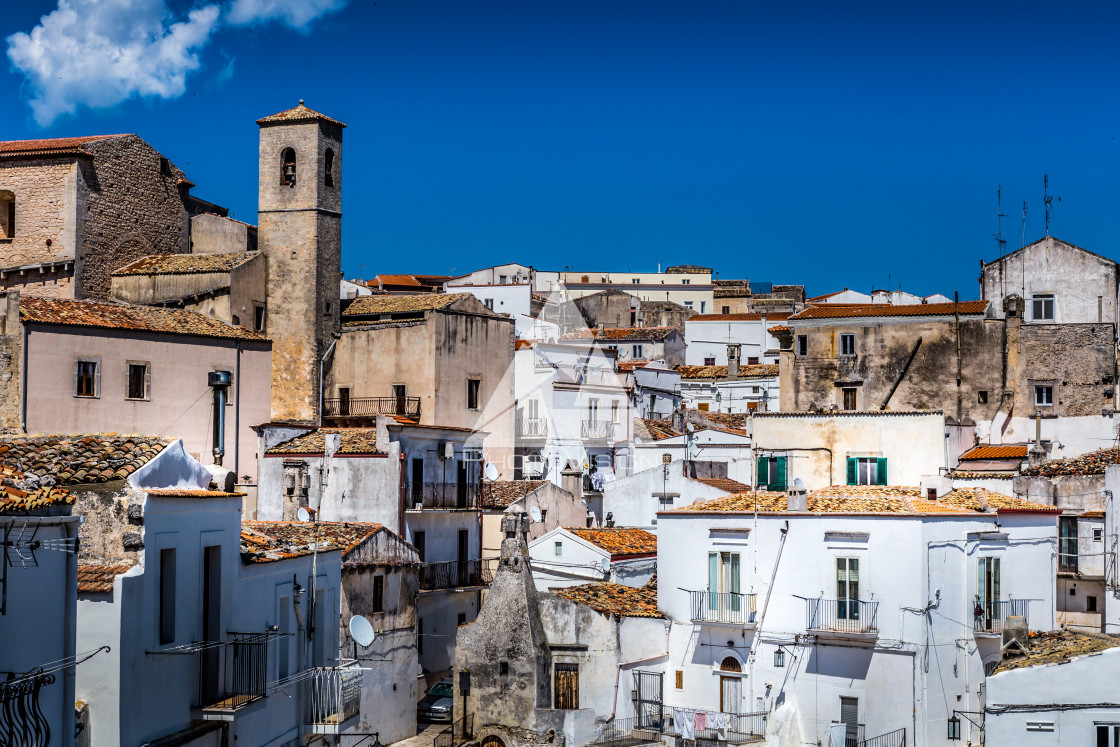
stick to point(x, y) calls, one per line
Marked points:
point(620, 542)
point(1093, 463)
point(185, 264)
point(499, 494)
point(50, 146)
point(725, 484)
point(77, 459)
point(98, 579)
point(102, 315)
point(298, 113)
point(748, 371)
point(985, 451)
point(352, 442)
point(844, 311)
point(757, 317)
point(615, 599)
point(269, 541)
point(656, 429)
point(18, 494)
point(622, 333)
point(385, 304)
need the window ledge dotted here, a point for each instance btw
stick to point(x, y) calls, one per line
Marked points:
point(7, 240)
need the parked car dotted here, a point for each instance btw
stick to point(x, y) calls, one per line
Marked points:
point(437, 701)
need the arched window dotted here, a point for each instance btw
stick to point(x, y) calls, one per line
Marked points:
point(730, 664)
point(7, 214)
point(288, 168)
point(328, 169)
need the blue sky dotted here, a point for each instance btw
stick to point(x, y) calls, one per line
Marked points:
point(830, 144)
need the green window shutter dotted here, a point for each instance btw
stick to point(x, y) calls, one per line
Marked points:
point(713, 579)
point(851, 471)
point(881, 471)
point(735, 605)
point(763, 472)
point(781, 473)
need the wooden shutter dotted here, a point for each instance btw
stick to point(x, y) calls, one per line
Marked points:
point(881, 471)
point(853, 472)
point(566, 686)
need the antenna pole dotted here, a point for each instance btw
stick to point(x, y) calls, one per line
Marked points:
point(1001, 243)
point(1046, 201)
point(1024, 229)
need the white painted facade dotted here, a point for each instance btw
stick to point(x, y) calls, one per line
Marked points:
point(712, 445)
point(657, 391)
point(502, 299)
point(707, 338)
point(634, 500)
point(756, 393)
point(560, 559)
point(920, 571)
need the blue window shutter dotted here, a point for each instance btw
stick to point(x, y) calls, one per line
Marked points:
point(781, 473)
point(881, 471)
point(852, 471)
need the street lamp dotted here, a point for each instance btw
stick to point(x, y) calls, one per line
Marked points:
point(719, 398)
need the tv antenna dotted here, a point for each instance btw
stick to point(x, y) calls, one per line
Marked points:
point(1001, 243)
point(1023, 230)
point(1047, 200)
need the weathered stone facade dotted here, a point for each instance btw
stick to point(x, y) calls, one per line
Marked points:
point(11, 365)
point(85, 213)
point(1078, 360)
point(300, 230)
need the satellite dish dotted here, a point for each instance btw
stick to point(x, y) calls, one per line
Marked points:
point(361, 631)
point(535, 513)
point(490, 471)
point(691, 428)
point(303, 515)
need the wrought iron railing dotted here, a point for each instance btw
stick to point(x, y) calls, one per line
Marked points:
point(842, 615)
point(724, 607)
point(232, 674)
point(737, 728)
point(453, 574)
point(896, 738)
point(358, 407)
point(853, 734)
point(596, 430)
point(532, 427)
point(989, 617)
point(459, 731)
point(624, 732)
point(1067, 558)
point(442, 494)
point(21, 717)
point(333, 695)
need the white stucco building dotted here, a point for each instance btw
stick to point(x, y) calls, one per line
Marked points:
point(569, 556)
point(705, 444)
point(634, 500)
point(708, 337)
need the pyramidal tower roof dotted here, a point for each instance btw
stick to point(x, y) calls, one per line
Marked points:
point(298, 113)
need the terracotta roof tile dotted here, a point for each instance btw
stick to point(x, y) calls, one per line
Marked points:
point(269, 541)
point(884, 499)
point(98, 579)
point(622, 333)
point(501, 493)
point(725, 484)
point(1056, 647)
point(734, 421)
point(125, 316)
point(987, 501)
point(396, 280)
point(183, 493)
point(79, 458)
point(777, 316)
point(49, 146)
point(844, 311)
point(779, 329)
point(619, 541)
point(352, 441)
point(19, 494)
point(985, 451)
point(367, 305)
point(749, 371)
point(614, 599)
point(184, 264)
point(630, 365)
point(298, 114)
point(656, 429)
point(1093, 463)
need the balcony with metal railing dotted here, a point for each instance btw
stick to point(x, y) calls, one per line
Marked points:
point(231, 674)
point(529, 428)
point(629, 732)
point(989, 618)
point(842, 618)
point(442, 495)
point(728, 728)
point(452, 574)
point(359, 408)
point(731, 608)
point(332, 698)
point(896, 738)
point(596, 430)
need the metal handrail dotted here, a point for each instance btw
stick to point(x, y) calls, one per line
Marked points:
point(369, 406)
point(842, 615)
point(333, 695)
point(532, 427)
point(994, 614)
point(232, 675)
point(443, 494)
point(596, 429)
point(629, 731)
point(459, 731)
point(896, 738)
point(452, 574)
point(723, 606)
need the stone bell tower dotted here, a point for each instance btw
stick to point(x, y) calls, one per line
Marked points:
point(300, 230)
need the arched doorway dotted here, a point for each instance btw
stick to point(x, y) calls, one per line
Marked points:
point(493, 740)
point(730, 687)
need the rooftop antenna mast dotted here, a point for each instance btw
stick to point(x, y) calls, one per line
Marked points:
point(1047, 200)
point(1023, 230)
point(1001, 242)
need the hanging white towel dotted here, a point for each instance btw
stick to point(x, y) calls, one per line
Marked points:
point(683, 718)
point(837, 735)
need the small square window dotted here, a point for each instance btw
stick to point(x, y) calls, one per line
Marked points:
point(137, 381)
point(802, 344)
point(982, 397)
point(710, 361)
point(1044, 396)
point(636, 351)
point(752, 360)
point(847, 344)
point(686, 281)
point(559, 549)
point(87, 378)
point(688, 304)
point(1097, 534)
point(726, 309)
point(461, 618)
point(1090, 604)
point(474, 387)
point(1042, 307)
point(503, 667)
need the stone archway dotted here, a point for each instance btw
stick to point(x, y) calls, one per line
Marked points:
point(492, 740)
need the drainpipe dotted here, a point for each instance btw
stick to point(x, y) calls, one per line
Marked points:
point(219, 382)
point(237, 413)
point(330, 349)
point(23, 377)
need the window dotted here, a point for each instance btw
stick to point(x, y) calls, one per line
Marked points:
point(565, 687)
point(636, 351)
point(488, 303)
point(326, 308)
point(688, 304)
point(981, 397)
point(664, 502)
point(378, 603)
point(867, 471)
point(1042, 307)
point(503, 667)
point(418, 542)
point(7, 214)
point(287, 168)
point(703, 406)
point(686, 281)
point(803, 344)
point(725, 309)
point(167, 595)
point(1090, 604)
point(1067, 544)
point(752, 360)
point(592, 410)
point(138, 381)
point(258, 317)
point(772, 473)
point(461, 619)
point(1044, 395)
point(1108, 735)
point(503, 279)
point(635, 281)
point(710, 360)
point(544, 515)
point(849, 393)
point(847, 344)
point(473, 390)
point(987, 593)
point(652, 403)
point(1097, 532)
point(680, 680)
point(703, 306)
point(847, 588)
point(87, 377)
point(559, 549)
point(615, 412)
point(756, 389)
point(328, 168)
point(723, 578)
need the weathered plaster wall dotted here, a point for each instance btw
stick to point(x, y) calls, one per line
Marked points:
point(215, 234)
point(1080, 360)
point(46, 191)
point(11, 364)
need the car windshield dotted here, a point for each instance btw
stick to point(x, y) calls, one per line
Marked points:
point(442, 690)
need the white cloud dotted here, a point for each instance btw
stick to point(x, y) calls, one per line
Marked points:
point(99, 53)
point(294, 13)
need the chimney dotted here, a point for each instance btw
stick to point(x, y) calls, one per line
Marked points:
point(797, 499)
point(733, 359)
point(571, 478)
point(1037, 454)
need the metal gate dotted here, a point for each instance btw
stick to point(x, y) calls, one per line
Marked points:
point(649, 692)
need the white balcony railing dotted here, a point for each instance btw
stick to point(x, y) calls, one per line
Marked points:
point(333, 696)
